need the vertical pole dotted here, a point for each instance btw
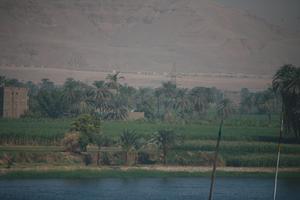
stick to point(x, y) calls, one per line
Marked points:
point(278, 158)
point(213, 175)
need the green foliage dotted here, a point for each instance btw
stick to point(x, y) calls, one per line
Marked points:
point(51, 102)
point(193, 158)
point(165, 139)
point(33, 131)
point(8, 159)
point(286, 82)
point(265, 160)
point(117, 109)
point(87, 159)
point(129, 140)
point(240, 139)
point(89, 128)
point(71, 142)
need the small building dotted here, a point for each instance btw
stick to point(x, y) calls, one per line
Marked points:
point(13, 101)
point(135, 115)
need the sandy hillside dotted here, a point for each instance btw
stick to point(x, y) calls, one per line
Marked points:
point(133, 35)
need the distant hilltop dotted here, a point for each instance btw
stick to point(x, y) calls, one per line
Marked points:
point(135, 35)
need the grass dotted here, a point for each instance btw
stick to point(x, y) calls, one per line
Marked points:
point(246, 141)
point(54, 129)
point(133, 173)
point(51, 131)
point(237, 147)
point(29, 149)
point(33, 131)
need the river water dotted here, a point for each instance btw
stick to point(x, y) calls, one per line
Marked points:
point(148, 188)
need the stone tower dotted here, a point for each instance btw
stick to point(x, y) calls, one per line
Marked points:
point(13, 101)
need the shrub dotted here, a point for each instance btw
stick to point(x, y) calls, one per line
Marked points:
point(145, 158)
point(87, 159)
point(9, 160)
point(71, 142)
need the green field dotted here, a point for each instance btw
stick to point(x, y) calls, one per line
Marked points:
point(133, 173)
point(246, 141)
point(50, 131)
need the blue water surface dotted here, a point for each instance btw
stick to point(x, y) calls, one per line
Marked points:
point(148, 189)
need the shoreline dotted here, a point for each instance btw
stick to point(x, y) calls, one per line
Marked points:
point(69, 172)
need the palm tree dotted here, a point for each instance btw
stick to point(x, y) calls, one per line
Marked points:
point(73, 95)
point(200, 99)
point(169, 90)
point(286, 82)
point(145, 102)
point(224, 110)
point(102, 97)
point(158, 93)
point(129, 142)
point(117, 109)
point(182, 104)
point(164, 138)
point(113, 80)
point(266, 102)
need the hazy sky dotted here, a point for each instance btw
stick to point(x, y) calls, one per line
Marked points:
point(285, 13)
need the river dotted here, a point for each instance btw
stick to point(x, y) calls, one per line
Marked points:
point(147, 188)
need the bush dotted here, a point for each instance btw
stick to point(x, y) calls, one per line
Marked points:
point(87, 159)
point(194, 158)
point(71, 142)
point(9, 160)
point(144, 158)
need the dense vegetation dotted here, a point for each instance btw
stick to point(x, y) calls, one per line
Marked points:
point(110, 100)
point(180, 125)
point(245, 144)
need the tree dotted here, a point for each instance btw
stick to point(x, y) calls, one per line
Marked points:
point(128, 93)
point(117, 109)
point(75, 96)
point(89, 128)
point(158, 93)
point(169, 90)
point(247, 101)
point(286, 83)
point(51, 102)
point(129, 142)
point(71, 142)
point(113, 80)
point(102, 97)
point(165, 139)
point(145, 102)
point(46, 84)
point(265, 102)
point(183, 104)
point(10, 82)
point(200, 98)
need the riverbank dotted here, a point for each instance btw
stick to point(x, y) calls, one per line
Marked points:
point(141, 172)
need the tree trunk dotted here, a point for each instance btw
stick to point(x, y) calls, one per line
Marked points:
point(213, 175)
point(126, 158)
point(269, 118)
point(165, 155)
point(98, 157)
point(157, 106)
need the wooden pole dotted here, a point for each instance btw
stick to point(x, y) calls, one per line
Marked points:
point(213, 175)
point(278, 157)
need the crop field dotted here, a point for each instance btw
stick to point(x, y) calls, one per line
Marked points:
point(247, 141)
point(51, 131)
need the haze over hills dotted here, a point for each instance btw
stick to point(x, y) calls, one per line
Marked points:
point(134, 35)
